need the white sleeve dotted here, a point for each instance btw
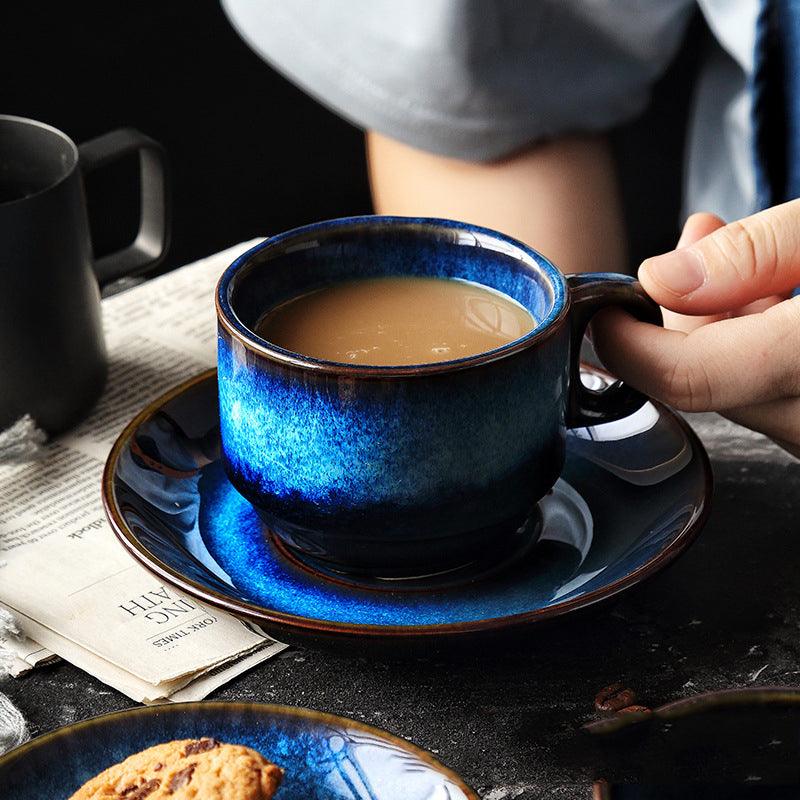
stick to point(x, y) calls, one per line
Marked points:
point(473, 79)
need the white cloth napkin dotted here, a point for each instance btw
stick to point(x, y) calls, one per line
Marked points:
point(21, 441)
point(13, 731)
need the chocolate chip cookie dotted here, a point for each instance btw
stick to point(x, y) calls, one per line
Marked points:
point(196, 769)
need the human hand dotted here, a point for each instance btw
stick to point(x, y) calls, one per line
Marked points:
point(731, 336)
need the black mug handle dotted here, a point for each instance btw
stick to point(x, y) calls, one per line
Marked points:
point(589, 293)
point(152, 240)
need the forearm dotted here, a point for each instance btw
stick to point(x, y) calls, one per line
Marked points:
point(560, 197)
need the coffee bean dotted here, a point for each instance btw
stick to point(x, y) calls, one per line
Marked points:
point(635, 709)
point(614, 697)
point(601, 790)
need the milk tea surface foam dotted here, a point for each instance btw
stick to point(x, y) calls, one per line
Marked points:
point(396, 320)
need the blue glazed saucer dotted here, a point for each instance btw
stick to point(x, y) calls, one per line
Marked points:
point(323, 756)
point(633, 495)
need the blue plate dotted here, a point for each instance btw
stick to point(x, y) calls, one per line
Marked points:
point(633, 495)
point(323, 756)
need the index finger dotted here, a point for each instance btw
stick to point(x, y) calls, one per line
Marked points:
point(733, 266)
point(725, 364)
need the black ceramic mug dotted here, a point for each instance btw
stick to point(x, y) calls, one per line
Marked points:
point(52, 353)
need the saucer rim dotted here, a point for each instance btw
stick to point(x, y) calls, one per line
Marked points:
point(272, 619)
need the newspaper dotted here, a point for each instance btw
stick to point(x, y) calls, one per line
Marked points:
point(69, 583)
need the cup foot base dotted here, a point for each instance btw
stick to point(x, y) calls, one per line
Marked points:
point(490, 562)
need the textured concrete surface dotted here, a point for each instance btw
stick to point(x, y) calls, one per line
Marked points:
point(506, 713)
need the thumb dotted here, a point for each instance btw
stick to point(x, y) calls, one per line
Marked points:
point(731, 266)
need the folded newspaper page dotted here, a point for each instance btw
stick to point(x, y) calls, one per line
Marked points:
point(73, 589)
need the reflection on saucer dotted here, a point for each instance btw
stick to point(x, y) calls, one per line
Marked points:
point(644, 448)
point(163, 466)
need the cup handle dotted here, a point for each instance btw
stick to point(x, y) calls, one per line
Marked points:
point(589, 293)
point(152, 240)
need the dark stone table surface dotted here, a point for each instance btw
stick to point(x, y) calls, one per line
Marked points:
point(506, 713)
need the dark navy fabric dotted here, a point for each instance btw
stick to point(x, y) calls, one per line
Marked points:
point(776, 102)
point(787, 19)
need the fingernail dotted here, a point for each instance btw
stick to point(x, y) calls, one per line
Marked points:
point(679, 271)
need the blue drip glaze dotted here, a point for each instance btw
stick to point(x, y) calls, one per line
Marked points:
point(287, 436)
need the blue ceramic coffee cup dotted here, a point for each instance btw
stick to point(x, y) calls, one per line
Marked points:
point(406, 470)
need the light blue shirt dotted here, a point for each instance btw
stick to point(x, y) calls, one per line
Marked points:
point(479, 79)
